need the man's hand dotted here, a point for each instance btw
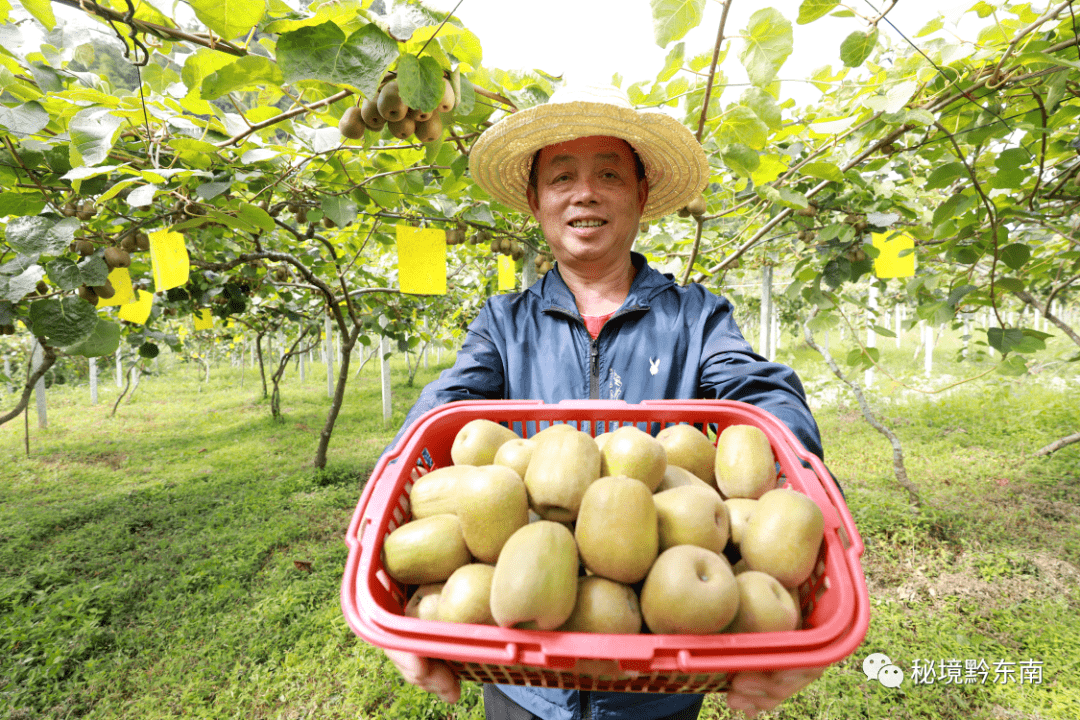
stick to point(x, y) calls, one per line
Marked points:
point(431, 675)
point(752, 692)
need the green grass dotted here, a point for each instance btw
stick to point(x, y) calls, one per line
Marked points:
point(183, 558)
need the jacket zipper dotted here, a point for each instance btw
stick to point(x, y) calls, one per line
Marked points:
point(594, 369)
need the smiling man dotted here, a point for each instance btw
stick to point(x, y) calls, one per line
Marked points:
point(604, 325)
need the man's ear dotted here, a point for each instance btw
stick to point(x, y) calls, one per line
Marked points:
point(534, 202)
point(643, 194)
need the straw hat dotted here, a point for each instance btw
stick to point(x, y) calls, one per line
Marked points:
point(675, 164)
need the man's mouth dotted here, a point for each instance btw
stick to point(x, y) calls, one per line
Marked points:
point(587, 223)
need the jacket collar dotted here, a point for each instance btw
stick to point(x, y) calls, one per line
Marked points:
point(553, 292)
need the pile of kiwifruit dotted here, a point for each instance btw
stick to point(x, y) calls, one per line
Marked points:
point(695, 207)
point(115, 257)
point(508, 246)
point(387, 107)
point(543, 263)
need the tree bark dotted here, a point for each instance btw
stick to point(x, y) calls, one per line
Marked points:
point(48, 357)
point(898, 451)
point(348, 341)
point(1058, 444)
point(1029, 299)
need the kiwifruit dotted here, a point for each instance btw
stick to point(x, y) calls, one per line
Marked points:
point(301, 215)
point(128, 244)
point(429, 130)
point(352, 124)
point(68, 210)
point(538, 261)
point(390, 104)
point(448, 99)
point(516, 251)
point(105, 291)
point(697, 206)
point(369, 110)
point(496, 245)
point(403, 128)
point(88, 295)
point(142, 241)
point(116, 258)
point(545, 268)
point(41, 288)
point(643, 228)
point(504, 246)
point(418, 115)
point(7, 329)
point(684, 212)
point(328, 223)
point(86, 210)
point(84, 247)
point(808, 211)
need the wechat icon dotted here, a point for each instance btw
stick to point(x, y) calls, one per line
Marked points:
point(879, 667)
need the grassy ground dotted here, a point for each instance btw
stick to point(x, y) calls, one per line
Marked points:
point(183, 558)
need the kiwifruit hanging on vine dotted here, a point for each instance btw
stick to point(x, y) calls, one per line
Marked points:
point(429, 130)
point(105, 291)
point(352, 124)
point(538, 260)
point(7, 329)
point(697, 205)
point(545, 268)
point(390, 104)
point(88, 295)
point(142, 241)
point(505, 245)
point(808, 211)
point(418, 115)
point(446, 104)
point(84, 247)
point(684, 212)
point(86, 210)
point(116, 258)
point(328, 222)
point(301, 215)
point(128, 244)
point(369, 110)
point(403, 128)
point(68, 209)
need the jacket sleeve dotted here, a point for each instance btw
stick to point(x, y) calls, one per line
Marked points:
point(477, 374)
point(731, 370)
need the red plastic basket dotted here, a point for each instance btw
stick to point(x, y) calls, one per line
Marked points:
point(835, 602)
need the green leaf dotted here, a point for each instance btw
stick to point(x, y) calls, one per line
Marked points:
point(764, 106)
point(742, 160)
point(768, 44)
point(672, 63)
point(64, 322)
point(959, 294)
point(92, 131)
point(672, 19)
point(21, 203)
point(1015, 255)
point(943, 175)
point(883, 332)
point(931, 27)
point(1009, 283)
point(229, 18)
point(254, 215)
point(1012, 366)
point(742, 125)
point(94, 271)
point(26, 119)
point(420, 81)
point(324, 53)
point(823, 170)
point(857, 47)
point(42, 11)
point(41, 235)
point(811, 10)
point(22, 284)
point(249, 72)
point(104, 340)
point(64, 273)
point(339, 208)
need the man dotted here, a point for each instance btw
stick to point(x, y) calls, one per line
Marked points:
point(603, 324)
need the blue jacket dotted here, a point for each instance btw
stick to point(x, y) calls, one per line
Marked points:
point(665, 342)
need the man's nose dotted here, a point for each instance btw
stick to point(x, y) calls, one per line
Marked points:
point(585, 190)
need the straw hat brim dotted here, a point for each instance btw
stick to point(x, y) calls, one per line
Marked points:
point(675, 164)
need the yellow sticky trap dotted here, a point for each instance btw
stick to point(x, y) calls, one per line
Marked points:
point(204, 320)
point(169, 258)
point(888, 263)
point(139, 311)
point(507, 276)
point(421, 260)
point(120, 279)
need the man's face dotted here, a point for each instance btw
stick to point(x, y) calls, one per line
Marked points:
point(588, 199)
